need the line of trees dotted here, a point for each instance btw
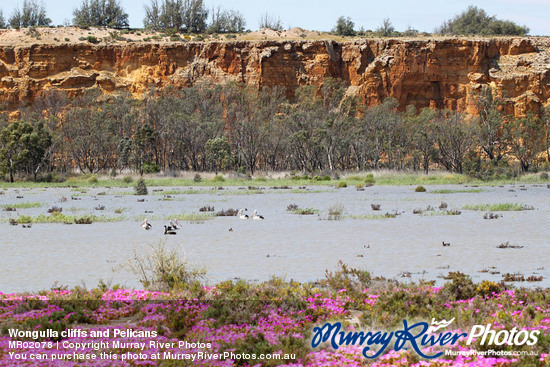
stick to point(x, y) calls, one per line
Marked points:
point(472, 21)
point(232, 127)
point(191, 16)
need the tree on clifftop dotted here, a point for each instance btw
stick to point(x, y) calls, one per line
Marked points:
point(476, 21)
point(100, 13)
point(32, 14)
point(386, 29)
point(270, 22)
point(226, 21)
point(344, 27)
point(182, 15)
point(2, 22)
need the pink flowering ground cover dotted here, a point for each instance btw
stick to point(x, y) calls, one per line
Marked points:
point(274, 317)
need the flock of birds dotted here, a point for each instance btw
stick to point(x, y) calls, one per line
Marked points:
point(171, 229)
point(175, 224)
point(255, 215)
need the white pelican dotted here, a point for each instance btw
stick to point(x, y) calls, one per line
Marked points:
point(145, 225)
point(175, 224)
point(255, 216)
point(168, 231)
point(241, 215)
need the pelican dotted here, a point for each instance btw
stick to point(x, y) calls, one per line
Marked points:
point(175, 224)
point(241, 215)
point(145, 225)
point(255, 216)
point(168, 230)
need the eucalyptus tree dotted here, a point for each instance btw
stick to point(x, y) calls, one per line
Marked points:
point(22, 148)
point(454, 137)
point(380, 124)
point(490, 123)
point(421, 129)
point(526, 139)
point(250, 116)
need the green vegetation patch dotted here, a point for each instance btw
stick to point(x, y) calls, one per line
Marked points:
point(370, 216)
point(498, 207)
point(305, 211)
point(190, 217)
point(455, 191)
point(25, 205)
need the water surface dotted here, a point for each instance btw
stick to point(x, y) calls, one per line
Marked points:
point(300, 247)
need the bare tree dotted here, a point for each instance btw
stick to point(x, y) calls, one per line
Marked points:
point(226, 21)
point(271, 22)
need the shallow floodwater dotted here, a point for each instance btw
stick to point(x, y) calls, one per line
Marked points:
point(300, 247)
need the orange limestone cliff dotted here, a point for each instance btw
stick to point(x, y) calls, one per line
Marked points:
point(441, 73)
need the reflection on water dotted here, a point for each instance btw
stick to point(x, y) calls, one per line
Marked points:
point(300, 247)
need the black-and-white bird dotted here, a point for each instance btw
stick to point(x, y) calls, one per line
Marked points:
point(255, 216)
point(168, 230)
point(175, 224)
point(241, 215)
point(445, 243)
point(146, 225)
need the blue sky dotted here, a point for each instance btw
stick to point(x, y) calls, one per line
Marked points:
point(424, 15)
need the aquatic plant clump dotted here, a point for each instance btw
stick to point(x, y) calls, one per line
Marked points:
point(141, 188)
point(420, 189)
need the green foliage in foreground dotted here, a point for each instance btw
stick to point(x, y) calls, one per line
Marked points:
point(279, 315)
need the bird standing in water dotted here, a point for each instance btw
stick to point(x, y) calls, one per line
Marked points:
point(145, 225)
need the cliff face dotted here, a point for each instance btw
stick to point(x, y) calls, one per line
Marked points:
point(440, 73)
